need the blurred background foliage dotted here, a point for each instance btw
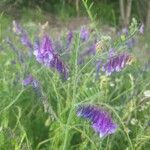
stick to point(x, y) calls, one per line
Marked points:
point(107, 11)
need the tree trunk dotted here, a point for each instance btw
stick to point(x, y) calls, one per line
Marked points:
point(125, 11)
point(148, 16)
point(122, 10)
point(77, 7)
point(128, 12)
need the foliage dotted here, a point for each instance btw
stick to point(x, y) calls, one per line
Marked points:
point(107, 11)
point(45, 118)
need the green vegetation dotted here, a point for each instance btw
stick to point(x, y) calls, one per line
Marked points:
point(107, 11)
point(43, 116)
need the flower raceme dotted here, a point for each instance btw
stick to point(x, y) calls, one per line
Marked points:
point(116, 63)
point(22, 34)
point(101, 121)
point(31, 81)
point(69, 38)
point(45, 54)
point(43, 50)
point(84, 34)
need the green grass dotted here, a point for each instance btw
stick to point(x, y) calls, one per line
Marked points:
point(28, 121)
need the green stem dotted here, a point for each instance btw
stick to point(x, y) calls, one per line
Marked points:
point(91, 16)
point(74, 96)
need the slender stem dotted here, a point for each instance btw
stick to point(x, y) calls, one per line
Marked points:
point(12, 103)
point(74, 96)
point(91, 16)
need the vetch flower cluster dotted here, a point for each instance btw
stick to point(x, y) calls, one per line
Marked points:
point(31, 81)
point(116, 63)
point(101, 121)
point(84, 34)
point(22, 34)
point(69, 38)
point(45, 54)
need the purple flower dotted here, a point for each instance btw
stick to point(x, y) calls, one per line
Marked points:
point(112, 52)
point(45, 54)
point(116, 64)
point(28, 80)
point(69, 38)
point(25, 40)
point(131, 42)
point(22, 34)
point(125, 31)
point(101, 121)
point(84, 34)
point(141, 30)
point(31, 81)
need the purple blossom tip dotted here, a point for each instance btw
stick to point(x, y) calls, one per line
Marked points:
point(125, 31)
point(112, 52)
point(141, 29)
point(29, 80)
point(101, 120)
point(69, 38)
point(22, 34)
point(25, 40)
point(84, 34)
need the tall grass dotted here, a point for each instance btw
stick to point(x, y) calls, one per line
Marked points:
point(47, 119)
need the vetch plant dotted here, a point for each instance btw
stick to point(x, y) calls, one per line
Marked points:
point(90, 62)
